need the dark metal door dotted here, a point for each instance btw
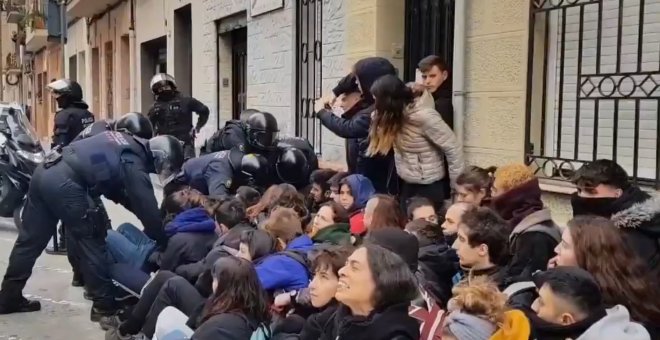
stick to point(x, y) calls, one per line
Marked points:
point(309, 18)
point(239, 71)
point(429, 30)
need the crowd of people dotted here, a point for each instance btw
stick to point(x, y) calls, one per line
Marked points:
point(257, 242)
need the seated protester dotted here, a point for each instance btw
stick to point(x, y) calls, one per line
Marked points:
point(190, 231)
point(334, 185)
point(605, 190)
point(284, 270)
point(320, 295)
point(374, 290)
point(597, 246)
point(421, 208)
point(382, 211)
point(354, 192)
point(569, 303)
point(248, 195)
point(258, 212)
point(474, 186)
point(478, 311)
point(437, 261)
point(481, 246)
point(320, 190)
point(295, 201)
point(453, 218)
point(517, 199)
point(331, 225)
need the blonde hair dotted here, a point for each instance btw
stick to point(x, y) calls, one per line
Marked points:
point(283, 223)
point(479, 296)
point(512, 175)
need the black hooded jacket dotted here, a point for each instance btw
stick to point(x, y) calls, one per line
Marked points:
point(443, 102)
point(438, 264)
point(354, 127)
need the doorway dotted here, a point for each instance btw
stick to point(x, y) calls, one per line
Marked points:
point(153, 59)
point(96, 81)
point(183, 49)
point(239, 71)
point(109, 81)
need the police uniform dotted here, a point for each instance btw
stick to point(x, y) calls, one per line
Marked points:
point(69, 122)
point(174, 117)
point(216, 174)
point(93, 130)
point(111, 164)
point(231, 136)
point(302, 144)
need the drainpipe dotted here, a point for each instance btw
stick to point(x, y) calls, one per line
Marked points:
point(459, 69)
point(132, 50)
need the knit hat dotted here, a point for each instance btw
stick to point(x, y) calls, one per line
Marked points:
point(469, 327)
point(397, 241)
point(512, 175)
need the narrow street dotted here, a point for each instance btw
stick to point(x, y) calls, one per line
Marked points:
point(64, 313)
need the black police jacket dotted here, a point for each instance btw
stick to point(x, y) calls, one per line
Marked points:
point(69, 122)
point(231, 136)
point(117, 166)
point(216, 174)
point(174, 116)
point(93, 130)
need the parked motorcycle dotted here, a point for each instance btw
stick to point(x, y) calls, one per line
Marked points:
point(20, 154)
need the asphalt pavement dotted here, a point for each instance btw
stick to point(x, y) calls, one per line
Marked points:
point(64, 313)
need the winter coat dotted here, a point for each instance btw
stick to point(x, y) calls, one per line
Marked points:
point(336, 234)
point(422, 144)
point(532, 243)
point(515, 327)
point(616, 325)
point(282, 272)
point(391, 323)
point(226, 326)
point(437, 264)
point(443, 103)
point(495, 273)
point(192, 234)
point(362, 190)
point(544, 330)
point(641, 224)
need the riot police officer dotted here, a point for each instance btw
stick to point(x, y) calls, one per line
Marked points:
point(171, 114)
point(302, 144)
point(111, 164)
point(220, 173)
point(256, 134)
point(292, 167)
point(133, 123)
point(73, 116)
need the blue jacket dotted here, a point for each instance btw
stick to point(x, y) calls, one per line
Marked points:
point(195, 220)
point(281, 272)
point(362, 189)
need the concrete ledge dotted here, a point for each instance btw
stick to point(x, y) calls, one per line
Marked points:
point(556, 186)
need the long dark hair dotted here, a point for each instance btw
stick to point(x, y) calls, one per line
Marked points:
point(476, 179)
point(392, 98)
point(395, 283)
point(601, 249)
point(239, 291)
point(182, 200)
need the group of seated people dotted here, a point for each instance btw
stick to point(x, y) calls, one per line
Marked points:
point(341, 261)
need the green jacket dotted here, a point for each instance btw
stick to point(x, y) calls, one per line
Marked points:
point(336, 234)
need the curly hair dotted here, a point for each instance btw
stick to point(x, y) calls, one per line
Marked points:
point(512, 175)
point(479, 296)
point(600, 249)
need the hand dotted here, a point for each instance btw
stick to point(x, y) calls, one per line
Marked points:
point(282, 300)
point(553, 262)
point(324, 102)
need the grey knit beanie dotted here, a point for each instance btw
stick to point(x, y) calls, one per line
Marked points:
point(469, 327)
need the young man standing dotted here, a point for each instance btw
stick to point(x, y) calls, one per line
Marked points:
point(435, 75)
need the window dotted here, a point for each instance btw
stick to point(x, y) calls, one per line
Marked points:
point(594, 74)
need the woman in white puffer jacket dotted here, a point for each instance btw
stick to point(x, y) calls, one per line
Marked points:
point(405, 119)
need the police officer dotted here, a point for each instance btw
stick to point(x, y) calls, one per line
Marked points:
point(112, 164)
point(291, 167)
point(171, 114)
point(133, 123)
point(302, 144)
point(73, 116)
point(220, 173)
point(256, 134)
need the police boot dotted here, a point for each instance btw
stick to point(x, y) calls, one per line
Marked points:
point(99, 310)
point(77, 280)
point(21, 305)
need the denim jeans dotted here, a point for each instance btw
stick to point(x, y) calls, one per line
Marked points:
point(129, 245)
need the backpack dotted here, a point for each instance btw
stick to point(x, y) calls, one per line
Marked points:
point(300, 257)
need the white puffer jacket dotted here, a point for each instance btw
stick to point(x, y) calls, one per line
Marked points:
point(423, 142)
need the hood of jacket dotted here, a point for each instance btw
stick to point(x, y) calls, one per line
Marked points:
point(302, 243)
point(644, 215)
point(384, 324)
point(194, 220)
point(616, 325)
point(361, 188)
point(335, 234)
point(368, 70)
point(540, 221)
point(439, 258)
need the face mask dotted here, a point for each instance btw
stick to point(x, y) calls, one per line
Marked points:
point(166, 95)
point(600, 206)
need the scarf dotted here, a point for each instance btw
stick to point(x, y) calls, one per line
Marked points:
point(607, 206)
point(516, 204)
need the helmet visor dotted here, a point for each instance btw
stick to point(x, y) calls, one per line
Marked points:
point(265, 139)
point(162, 78)
point(58, 86)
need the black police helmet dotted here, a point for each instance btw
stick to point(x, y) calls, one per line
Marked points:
point(66, 88)
point(167, 153)
point(255, 168)
point(291, 166)
point(160, 80)
point(135, 124)
point(262, 130)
